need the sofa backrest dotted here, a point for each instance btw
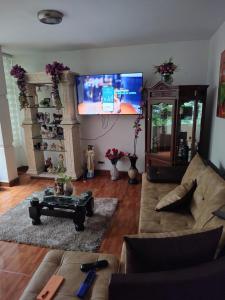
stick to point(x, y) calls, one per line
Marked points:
point(205, 281)
point(194, 170)
point(208, 196)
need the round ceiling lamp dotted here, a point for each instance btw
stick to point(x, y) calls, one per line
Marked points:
point(50, 16)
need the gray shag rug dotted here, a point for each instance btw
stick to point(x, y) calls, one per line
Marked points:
point(58, 233)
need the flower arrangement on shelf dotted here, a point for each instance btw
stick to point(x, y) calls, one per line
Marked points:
point(114, 155)
point(55, 70)
point(19, 73)
point(166, 70)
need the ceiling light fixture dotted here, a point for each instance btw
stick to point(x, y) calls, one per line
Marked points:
point(50, 16)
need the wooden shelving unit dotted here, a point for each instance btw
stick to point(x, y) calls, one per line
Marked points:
point(69, 123)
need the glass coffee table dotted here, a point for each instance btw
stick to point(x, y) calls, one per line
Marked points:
point(72, 207)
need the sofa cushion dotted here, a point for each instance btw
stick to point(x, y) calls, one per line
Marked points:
point(152, 221)
point(149, 254)
point(67, 264)
point(205, 281)
point(208, 196)
point(194, 170)
point(179, 197)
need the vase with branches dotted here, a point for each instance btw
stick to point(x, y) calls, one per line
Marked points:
point(20, 74)
point(133, 171)
point(55, 70)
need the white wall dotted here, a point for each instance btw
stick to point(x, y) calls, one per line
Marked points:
point(8, 171)
point(217, 149)
point(191, 58)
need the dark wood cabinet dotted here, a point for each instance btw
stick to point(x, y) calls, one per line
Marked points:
point(174, 123)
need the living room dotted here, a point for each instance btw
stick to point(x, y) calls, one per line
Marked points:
point(112, 116)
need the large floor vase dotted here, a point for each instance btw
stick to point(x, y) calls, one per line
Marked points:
point(114, 172)
point(133, 171)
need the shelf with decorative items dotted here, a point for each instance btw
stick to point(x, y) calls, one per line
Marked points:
point(53, 118)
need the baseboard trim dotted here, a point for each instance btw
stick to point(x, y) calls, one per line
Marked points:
point(13, 182)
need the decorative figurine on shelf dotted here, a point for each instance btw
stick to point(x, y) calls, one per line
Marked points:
point(53, 147)
point(40, 117)
point(47, 117)
point(37, 146)
point(60, 147)
point(44, 130)
point(59, 131)
point(60, 166)
point(45, 102)
point(57, 118)
point(90, 154)
point(51, 133)
point(44, 146)
point(48, 164)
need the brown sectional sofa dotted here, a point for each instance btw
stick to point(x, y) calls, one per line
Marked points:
point(67, 264)
point(208, 196)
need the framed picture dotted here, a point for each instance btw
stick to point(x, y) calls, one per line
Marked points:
point(221, 91)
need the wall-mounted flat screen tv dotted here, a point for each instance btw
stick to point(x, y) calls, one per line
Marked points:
point(109, 94)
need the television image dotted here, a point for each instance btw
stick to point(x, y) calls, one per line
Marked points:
point(109, 93)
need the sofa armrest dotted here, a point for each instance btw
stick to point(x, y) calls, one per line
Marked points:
point(205, 281)
point(123, 258)
point(172, 174)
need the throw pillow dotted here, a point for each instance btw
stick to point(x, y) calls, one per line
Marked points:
point(179, 197)
point(169, 253)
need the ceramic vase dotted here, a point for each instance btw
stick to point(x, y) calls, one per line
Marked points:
point(167, 78)
point(114, 172)
point(68, 188)
point(133, 171)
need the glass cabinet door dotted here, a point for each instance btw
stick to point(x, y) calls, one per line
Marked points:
point(189, 128)
point(162, 116)
point(185, 131)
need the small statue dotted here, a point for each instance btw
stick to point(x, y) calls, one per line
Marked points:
point(90, 154)
point(45, 102)
point(48, 164)
point(44, 131)
point(40, 117)
point(47, 118)
point(57, 118)
point(60, 166)
point(53, 147)
point(59, 189)
point(60, 147)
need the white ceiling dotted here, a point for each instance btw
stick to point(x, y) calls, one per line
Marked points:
point(104, 23)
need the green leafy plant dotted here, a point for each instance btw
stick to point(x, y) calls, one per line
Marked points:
point(63, 178)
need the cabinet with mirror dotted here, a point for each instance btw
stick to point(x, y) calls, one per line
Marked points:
point(174, 123)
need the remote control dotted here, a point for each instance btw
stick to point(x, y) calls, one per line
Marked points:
point(99, 264)
point(84, 287)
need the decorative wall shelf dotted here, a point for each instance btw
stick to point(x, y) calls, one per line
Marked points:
point(69, 123)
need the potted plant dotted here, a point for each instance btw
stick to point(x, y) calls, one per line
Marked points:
point(166, 70)
point(114, 155)
point(66, 181)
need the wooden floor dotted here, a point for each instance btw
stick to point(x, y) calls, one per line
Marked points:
point(18, 261)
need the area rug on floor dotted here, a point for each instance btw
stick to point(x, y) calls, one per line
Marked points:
point(58, 233)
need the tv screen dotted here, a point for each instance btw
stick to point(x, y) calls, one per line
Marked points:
point(109, 93)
